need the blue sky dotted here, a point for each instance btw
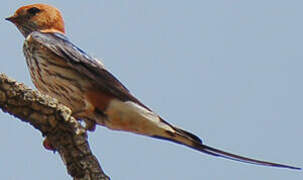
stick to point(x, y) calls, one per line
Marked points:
point(228, 71)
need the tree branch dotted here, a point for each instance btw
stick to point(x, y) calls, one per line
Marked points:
point(54, 120)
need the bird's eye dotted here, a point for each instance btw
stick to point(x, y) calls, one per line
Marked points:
point(33, 10)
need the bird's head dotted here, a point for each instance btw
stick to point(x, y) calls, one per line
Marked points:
point(37, 17)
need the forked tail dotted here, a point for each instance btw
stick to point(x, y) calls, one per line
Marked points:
point(220, 153)
point(192, 141)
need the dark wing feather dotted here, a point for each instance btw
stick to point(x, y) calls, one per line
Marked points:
point(80, 61)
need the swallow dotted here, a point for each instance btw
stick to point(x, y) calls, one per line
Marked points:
point(62, 70)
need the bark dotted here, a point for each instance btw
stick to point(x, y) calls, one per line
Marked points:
point(54, 120)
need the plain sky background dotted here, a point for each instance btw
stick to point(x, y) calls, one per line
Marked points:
point(228, 71)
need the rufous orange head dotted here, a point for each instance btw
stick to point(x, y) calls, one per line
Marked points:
point(37, 17)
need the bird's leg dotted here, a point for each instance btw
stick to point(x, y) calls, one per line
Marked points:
point(90, 124)
point(85, 116)
point(91, 118)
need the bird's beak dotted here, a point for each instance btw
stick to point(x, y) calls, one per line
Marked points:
point(12, 19)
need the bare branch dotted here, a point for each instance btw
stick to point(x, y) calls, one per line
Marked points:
point(53, 120)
